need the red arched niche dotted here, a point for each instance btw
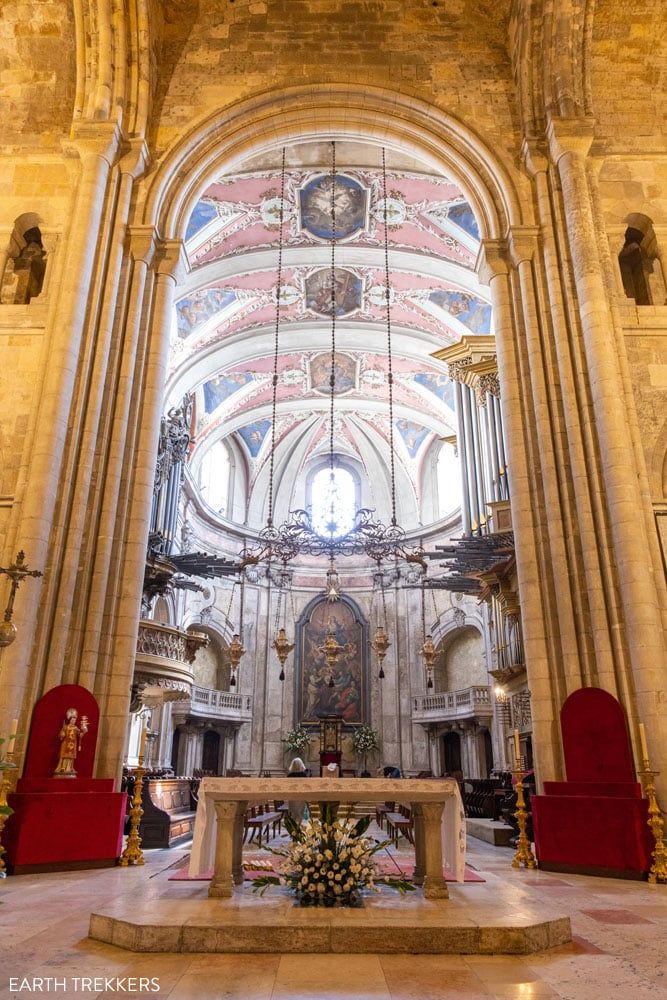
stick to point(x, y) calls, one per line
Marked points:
point(596, 741)
point(47, 719)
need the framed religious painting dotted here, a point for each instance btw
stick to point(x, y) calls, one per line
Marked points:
point(316, 696)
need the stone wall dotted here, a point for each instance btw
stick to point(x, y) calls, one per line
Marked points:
point(453, 54)
point(37, 70)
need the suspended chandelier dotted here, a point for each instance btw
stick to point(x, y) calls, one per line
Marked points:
point(367, 535)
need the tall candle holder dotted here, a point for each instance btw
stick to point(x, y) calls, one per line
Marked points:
point(133, 855)
point(524, 854)
point(6, 783)
point(658, 869)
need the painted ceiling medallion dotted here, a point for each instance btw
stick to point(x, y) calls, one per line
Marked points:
point(270, 211)
point(344, 371)
point(350, 205)
point(396, 211)
point(347, 292)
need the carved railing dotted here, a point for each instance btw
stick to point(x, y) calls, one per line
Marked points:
point(155, 639)
point(464, 704)
point(221, 705)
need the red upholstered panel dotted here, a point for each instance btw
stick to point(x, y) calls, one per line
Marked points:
point(624, 789)
point(600, 832)
point(47, 719)
point(596, 743)
point(49, 829)
point(60, 787)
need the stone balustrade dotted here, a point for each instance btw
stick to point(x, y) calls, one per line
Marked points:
point(468, 703)
point(213, 705)
point(163, 662)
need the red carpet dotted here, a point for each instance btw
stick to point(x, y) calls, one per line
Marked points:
point(385, 864)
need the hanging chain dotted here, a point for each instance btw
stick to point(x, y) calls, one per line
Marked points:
point(228, 613)
point(278, 607)
point(279, 279)
point(291, 598)
point(390, 372)
point(332, 374)
point(384, 603)
point(241, 604)
point(423, 589)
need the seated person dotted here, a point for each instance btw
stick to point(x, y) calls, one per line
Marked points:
point(392, 772)
point(297, 807)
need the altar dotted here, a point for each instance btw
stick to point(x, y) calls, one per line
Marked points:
point(435, 803)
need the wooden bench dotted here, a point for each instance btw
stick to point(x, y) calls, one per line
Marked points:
point(400, 823)
point(169, 816)
point(258, 819)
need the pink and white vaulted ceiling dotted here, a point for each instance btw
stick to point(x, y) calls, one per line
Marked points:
point(224, 326)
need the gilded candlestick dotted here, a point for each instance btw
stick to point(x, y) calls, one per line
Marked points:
point(524, 854)
point(5, 810)
point(658, 869)
point(133, 855)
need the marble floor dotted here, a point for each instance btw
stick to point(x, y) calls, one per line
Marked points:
point(619, 950)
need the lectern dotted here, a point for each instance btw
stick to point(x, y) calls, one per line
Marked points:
point(331, 729)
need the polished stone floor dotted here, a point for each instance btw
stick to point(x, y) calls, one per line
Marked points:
point(619, 951)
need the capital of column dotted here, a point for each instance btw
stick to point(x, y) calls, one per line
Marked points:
point(492, 260)
point(569, 135)
point(171, 260)
point(535, 155)
point(135, 157)
point(142, 243)
point(456, 370)
point(522, 243)
point(101, 139)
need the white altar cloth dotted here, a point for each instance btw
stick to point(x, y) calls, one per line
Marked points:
point(249, 790)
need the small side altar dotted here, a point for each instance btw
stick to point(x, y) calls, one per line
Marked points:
point(218, 833)
point(64, 819)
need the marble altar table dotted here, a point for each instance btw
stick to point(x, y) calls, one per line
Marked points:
point(218, 832)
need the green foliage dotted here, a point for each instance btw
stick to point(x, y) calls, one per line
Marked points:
point(297, 740)
point(365, 740)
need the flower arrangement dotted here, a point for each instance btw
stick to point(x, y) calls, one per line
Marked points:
point(329, 862)
point(297, 740)
point(365, 740)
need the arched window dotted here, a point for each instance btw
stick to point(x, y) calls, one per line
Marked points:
point(639, 262)
point(449, 480)
point(23, 276)
point(214, 474)
point(333, 501)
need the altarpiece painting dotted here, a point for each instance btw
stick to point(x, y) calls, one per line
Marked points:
point(349, 695)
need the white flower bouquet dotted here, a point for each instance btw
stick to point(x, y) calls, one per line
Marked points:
point(330, 862)
point(298, 740)
point(365, 740)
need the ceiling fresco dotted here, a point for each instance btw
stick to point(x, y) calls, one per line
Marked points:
point(223, 332)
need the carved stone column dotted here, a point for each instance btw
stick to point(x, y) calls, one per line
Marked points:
point(170, 266)
point(434, 884)
point(40, 478)
point(534, 587)
point(642, 679)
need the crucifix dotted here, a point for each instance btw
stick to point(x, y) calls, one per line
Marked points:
point(17, 572)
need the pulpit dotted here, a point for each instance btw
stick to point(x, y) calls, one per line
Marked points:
point(595, 822)
point(63, 819)
point(331, 741)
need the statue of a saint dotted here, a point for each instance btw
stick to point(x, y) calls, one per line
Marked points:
point(71, 735)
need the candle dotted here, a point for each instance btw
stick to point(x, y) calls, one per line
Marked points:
point(12, 736)
point(142, 742)
point(642, 740)
point(517, 748)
